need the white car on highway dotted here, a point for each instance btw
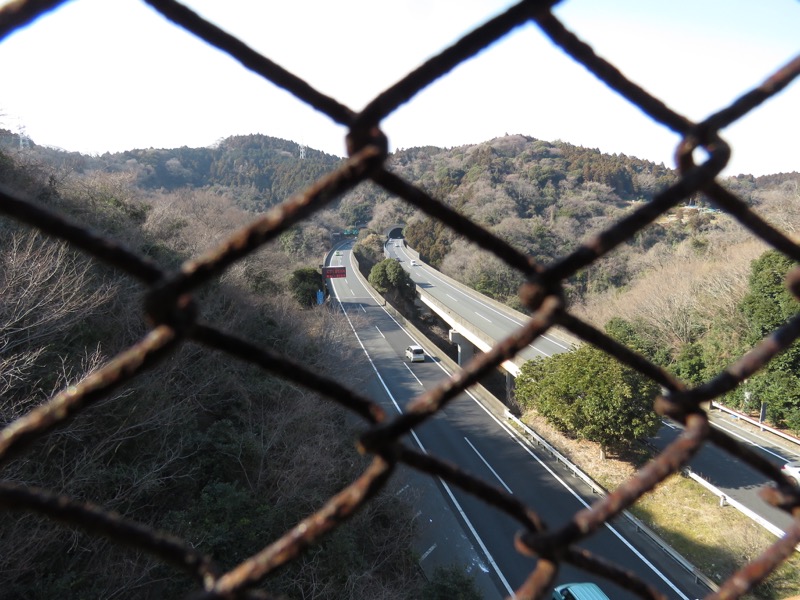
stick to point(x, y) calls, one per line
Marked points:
point(792, 471)
point(415, 353)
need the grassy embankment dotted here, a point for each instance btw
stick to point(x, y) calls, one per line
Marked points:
point(718, 540)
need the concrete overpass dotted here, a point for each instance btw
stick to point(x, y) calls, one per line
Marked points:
point(475, 320)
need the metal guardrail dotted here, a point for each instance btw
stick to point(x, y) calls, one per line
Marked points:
point(564, 335)
point(776, 531)
point(596, 488)
point(501, 412)
point(762, 426)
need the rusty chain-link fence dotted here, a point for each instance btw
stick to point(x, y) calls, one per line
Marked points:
point(171, 309)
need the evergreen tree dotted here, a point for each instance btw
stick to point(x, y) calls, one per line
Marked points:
point(589, 394)
point(767, 306)
point(303, 285)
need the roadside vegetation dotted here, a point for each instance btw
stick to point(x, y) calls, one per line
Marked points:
point(394, 282)
point(717, 539)
point(218, 452)
point(588, 394)
point(229, 457)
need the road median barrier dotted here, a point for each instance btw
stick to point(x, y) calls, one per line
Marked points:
point(492, 404)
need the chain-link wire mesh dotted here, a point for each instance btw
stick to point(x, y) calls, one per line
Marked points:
point(172, 312)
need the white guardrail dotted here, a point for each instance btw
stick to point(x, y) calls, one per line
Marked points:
point(758, 424)
point(495, 406)
point(596, 488)
point(776, 531)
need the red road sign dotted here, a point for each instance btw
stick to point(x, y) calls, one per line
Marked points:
point(330, 272)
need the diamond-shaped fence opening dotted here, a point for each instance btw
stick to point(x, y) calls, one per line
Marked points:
point(173, 312)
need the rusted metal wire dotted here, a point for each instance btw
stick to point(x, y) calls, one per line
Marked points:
point(309, 530)
point(172, 313)
point(97, 520)
point(288, 369)
point(19, 13)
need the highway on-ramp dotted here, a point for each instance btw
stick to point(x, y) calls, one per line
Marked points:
point(467, 434)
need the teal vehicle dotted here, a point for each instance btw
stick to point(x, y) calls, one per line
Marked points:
point(579, 591)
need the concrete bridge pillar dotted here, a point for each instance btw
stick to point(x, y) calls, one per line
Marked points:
point(465, 348)
point(511, 402)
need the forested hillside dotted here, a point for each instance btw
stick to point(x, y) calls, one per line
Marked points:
point(695, 305)
point(541, 197)
point(256, 170)
point(213, 450)
point(679, 283)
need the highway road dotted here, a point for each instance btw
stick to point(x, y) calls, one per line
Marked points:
point(496, 322)
point(470, 436)
point(735, 479)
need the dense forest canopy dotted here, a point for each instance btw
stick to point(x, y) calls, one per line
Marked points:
point(542, 197)
point(261, 170)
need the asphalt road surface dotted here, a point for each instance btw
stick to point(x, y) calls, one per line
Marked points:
point(734, 478)
point(731, 476)
point(467, 434)
point(494, 321)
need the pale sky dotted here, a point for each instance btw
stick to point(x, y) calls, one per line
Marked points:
point(113, 75)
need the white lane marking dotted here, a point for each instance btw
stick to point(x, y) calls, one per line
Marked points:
point(494, 310)
point(477, 314)
point(336, 295)
point(731, 420)
point(477, 537)
point(412, 374)
point(452, 297)
point(460, 510)
point(427, 553)
point(751, 442)
point(514, 437)
point(486, 462)
point(361, 306)
point(542, 352)
point(587, 505)
point(379, 331)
